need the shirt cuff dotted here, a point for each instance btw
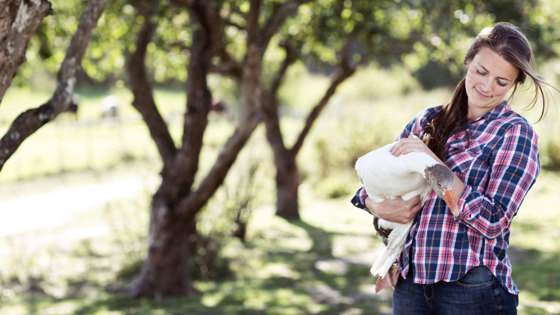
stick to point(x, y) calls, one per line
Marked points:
point(359, 199)
point(466, 203)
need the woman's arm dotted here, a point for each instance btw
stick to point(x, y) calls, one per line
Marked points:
point(515, 167)
point(395, 210)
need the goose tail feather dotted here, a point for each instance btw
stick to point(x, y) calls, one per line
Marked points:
point(394, 248)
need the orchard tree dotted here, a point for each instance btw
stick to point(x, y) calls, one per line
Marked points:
point(18, 22)
point(178, 200)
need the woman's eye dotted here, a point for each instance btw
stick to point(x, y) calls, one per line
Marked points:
point(479, 72)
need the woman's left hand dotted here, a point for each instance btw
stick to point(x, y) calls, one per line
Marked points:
point(412, 144)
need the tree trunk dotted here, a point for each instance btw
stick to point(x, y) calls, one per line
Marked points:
point(287, 176)
point(165, 271)
point(287, 183)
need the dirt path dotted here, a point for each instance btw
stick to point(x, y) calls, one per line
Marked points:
point(49, 208)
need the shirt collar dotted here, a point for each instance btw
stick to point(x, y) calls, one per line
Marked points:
point(495, 112)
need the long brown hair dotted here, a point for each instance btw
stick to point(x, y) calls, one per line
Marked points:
point(511, 44)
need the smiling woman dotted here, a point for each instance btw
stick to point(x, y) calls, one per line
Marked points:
point(452, 261)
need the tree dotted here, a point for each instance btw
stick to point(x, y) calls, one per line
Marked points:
point(177, 201)
point(287, 175)
point(19, 22)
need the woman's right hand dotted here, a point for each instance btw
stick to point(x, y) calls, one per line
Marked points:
point(395, 210)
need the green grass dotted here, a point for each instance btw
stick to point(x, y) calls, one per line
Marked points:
point(309, 266)
point(317, 265)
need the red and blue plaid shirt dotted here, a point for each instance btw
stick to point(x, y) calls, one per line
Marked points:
point(498, 165)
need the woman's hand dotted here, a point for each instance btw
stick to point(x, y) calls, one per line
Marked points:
point(412, 144)
point(395, 210)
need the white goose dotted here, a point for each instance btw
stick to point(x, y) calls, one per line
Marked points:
point(386, 176)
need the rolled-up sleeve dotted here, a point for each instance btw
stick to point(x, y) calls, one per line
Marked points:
point(515, 167)
point(359, 199)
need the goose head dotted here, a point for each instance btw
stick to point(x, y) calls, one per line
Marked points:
point(442, 181)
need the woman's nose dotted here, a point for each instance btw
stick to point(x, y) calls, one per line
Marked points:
point(486, 84)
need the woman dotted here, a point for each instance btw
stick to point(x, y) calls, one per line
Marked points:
point(459, 265)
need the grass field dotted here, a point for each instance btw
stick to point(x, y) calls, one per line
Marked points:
point(317, 265)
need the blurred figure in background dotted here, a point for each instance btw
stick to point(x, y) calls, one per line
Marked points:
point(110, 106)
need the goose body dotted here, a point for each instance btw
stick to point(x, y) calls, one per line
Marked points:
point(386, 176)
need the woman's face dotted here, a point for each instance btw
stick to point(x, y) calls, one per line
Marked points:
point(489, 78)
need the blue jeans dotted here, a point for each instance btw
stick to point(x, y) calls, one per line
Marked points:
point(477, 293)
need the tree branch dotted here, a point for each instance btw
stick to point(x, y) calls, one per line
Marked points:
point(177, 180)
point(31, 120)
point(278, 17)
point(213, 23)
point(269, 104)
point(249, 119)
point(190, 205)
point(142, 90)
point(229, 22)
point(227, 65)
point(230, 69)
point(18, 22)
point(344, 71)
point(253, 29)
point(185, 3)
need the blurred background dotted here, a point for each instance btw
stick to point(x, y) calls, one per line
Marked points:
point(76, 198)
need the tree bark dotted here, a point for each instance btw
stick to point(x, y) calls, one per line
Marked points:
point(287, 176)
point(248, 121)
point(18, 22)
point(287, 186)
point(141, 89)
point(165, 271)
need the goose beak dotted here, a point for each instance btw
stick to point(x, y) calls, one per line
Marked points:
point(451, 201)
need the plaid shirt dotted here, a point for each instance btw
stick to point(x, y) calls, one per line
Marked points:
point(498, 167)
